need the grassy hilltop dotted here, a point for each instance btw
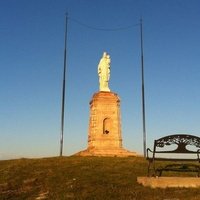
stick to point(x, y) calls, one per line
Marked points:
point(82, 178)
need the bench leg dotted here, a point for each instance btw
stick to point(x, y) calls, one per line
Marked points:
point(151, 167)
point(148, 171)
point(154, 168)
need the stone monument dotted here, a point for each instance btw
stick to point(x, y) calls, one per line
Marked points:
point(104, 136)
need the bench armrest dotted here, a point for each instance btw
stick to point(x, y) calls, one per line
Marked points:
point(149, 150)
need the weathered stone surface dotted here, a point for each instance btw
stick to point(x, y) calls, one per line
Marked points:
point(104, 136)
point(165, 182)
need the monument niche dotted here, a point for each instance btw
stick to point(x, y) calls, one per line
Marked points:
point(104, 136)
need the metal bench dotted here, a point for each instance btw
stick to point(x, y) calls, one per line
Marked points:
point(173, 148)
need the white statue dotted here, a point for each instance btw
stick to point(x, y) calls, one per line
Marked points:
point(104, 72)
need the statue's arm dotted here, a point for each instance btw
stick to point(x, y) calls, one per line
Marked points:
point(99, 69)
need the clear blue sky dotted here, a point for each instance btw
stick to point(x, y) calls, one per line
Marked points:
point(31, 66)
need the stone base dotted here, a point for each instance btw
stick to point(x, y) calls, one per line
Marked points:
point(106, 152)
point(105, 122)
point(104, 135)
point(165, 182)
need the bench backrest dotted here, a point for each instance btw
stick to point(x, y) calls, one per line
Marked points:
point(181, 140)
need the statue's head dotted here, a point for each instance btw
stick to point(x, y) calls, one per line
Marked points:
point(104, 54)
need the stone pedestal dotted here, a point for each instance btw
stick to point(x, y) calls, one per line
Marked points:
point(104, 136)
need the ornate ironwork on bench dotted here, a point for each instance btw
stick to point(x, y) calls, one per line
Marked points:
point(182, 163)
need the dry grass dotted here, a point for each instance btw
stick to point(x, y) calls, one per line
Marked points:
point(82, 178)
